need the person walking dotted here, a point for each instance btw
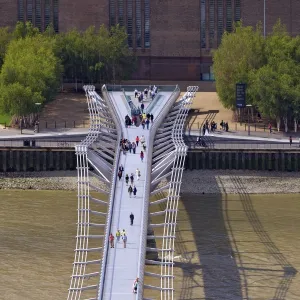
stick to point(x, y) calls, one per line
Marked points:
point(133, 147)
point(126, 179)
point(142, 156)
point(138, 174)
point(291, 141)
point(147, 123)
point(142, 139)
point(135, 286)
point(130, 147)
point(111, 240)
point(124, 240)
point(118, 235)
point(123, 232)
point(134, 191)
point(144, 147)
point(143, 124)
point(130, 190)
point(131, 217)
point(142, 107)
point(137, 139)
point(270, 127)
point(121, 168)
point(120, 175)
point(151, 118)
point(131, 178)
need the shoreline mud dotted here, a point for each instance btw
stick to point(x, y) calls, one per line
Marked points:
point(194, 182)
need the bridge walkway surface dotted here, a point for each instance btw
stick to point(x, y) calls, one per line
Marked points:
point(123, 263)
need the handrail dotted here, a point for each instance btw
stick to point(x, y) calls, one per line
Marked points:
point(167, 256)
point(143, 239)
point(80, 259)
point(112, 192)
point(132, 109)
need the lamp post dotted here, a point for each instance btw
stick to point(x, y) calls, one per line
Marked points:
point(38, 105)
point(249, 106)
point(264, 18)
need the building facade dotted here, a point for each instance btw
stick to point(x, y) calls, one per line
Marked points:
point(173, 38)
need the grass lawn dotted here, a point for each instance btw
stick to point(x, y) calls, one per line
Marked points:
point(5, 119)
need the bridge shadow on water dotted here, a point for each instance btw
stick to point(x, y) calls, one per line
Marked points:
point(223, 271)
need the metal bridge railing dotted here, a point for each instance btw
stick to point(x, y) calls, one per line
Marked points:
point(101, 129)
point(112, 193)
point(143, 239)
point(169, 231)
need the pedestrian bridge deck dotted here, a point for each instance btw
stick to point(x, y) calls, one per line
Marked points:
point(123, 264)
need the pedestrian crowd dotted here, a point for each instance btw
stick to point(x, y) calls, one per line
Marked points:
point(141, 119)
point(212, 126)
point(147, 93)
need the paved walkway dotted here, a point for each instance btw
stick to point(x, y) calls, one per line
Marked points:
point(122, 264)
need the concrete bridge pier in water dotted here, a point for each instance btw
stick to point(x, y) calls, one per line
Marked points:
point(98, 269)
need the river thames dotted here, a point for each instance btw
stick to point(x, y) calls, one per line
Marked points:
point(227, 247)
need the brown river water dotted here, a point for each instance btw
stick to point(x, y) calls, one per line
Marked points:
point(229, 247)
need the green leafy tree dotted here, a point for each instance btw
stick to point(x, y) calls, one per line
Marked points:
point(30, 66)
point(273, 86)
point(240, 52)
point(5, 38)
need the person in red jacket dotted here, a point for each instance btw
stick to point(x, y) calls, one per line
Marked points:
point(111, 240)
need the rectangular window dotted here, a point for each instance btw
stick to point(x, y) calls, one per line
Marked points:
point(129, 22)
point(112, 13)
point(29, 11)
point(228, 16)
point(38, 14)
point(138, 23)
point(220, 20)
point(121, 12)
point(21, 10)
point(203, 23)
point(55, 15)
point(237, 14)
point(211, 22)
point(47, 14)
point(147, 24)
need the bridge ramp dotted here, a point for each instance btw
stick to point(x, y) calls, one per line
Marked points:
point(123, 263)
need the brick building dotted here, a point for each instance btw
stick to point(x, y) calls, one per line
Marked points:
point(173, 38)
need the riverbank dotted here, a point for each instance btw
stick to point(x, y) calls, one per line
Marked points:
point(195, 182)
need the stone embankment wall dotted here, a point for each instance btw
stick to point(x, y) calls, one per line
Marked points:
point(55, 159)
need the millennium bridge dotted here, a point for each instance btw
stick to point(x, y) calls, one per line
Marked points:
point(104, 204)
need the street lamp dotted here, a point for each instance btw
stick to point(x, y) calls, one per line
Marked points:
point(248, 105)
point(264, 18)
point(38, 105)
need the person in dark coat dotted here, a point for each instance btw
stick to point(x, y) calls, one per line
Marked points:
point(131, 218)
point(134, 191)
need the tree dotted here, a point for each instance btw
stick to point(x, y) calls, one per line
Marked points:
point(5, 38)
point(240, 52)
point(273, 85)
point(30, 74)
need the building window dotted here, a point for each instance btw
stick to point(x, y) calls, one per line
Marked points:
point(55, 15)
point(112, 13)
point(121, 12)
point(138, 23)
point(38, 14)
point(147, 24)
point(47, 14)
point(228, 16)
point(21, 10)
point(237, 13)
point(129, 22)
point(220, 20)
point(211, 22)
point(203, 23)
point(29, 10)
